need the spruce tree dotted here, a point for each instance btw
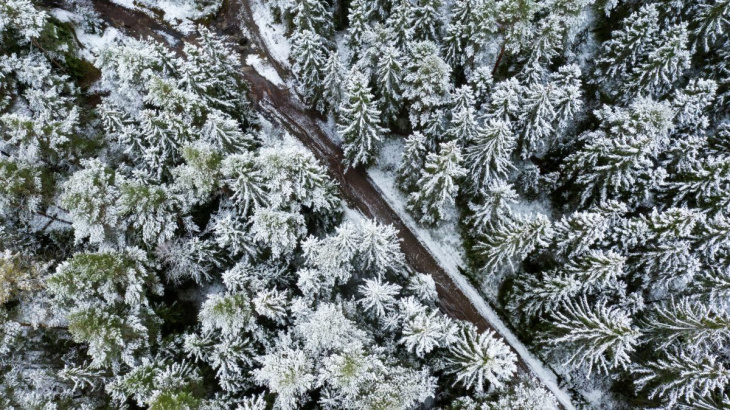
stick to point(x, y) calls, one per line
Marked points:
point(489, 155)
point(309, 54)
point(389, 83)
point(600, 336)
point(359, 123)
point(426, 82)
point(438, 185)
point(412, 162)
point(511, 238)
point(334, 81)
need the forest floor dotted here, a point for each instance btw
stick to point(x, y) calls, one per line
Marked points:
point(282, 106)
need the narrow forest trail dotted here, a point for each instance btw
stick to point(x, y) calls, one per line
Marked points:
point(457, 297)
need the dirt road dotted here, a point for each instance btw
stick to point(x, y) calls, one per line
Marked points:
point(280, 106)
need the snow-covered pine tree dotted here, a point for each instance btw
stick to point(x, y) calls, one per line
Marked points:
point(21, 22)
point(91, 195)
point(412, 162)
point(425, 21)
point(359, 122)
point(378, 249)
point(315, 16)
point(617, 159)
point(243, 177)
point(463, 126)
point(151, 210)
point(627, 46)
point(309, 53)
point(488, 157)
point(286, 371)
point(665, 64)
point(511, 238)
point(106, 296)
point(688, 322)
point(334, 81)
point(517, 15)
point(537, 113)
point(358, 18)
point(504, 101)
point(595, 272)
point(684, 375)
point(378, 297)
point(481, 360)
point(711, 23)
point(600, 336)
point(400, 31)
point(438, 185)
point(426, 82)
point(495, 201)
point(389, 84)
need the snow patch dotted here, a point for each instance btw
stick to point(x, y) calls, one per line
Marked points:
point(63, 16)
point(273, 34)
point(264, 68)
point(126, 3)
point(90, 42)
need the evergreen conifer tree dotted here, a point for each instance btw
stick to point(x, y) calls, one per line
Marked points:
point(438, 184)
point(359, 122)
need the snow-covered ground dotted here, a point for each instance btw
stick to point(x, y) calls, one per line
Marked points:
point(273, 34)
point(91, 42)
point(181, 14)
point(265, 69)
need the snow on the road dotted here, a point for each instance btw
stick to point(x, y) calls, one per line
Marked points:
point(444, 244)
point(272, 33)
point(264, 68)
point(91, 42)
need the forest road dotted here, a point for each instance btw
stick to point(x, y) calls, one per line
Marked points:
point(281, 106)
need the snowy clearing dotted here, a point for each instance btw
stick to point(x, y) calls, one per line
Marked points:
point(264, 68)
point(272, 33)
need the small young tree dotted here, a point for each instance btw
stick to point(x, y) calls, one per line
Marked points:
point(309, 54)
point(488, 157)
point(412, 162)
point(359, 122)
point(512, 237)
point(480, 360)
point(438, 184)
point(389, 83)
point(334, 81)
